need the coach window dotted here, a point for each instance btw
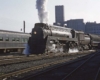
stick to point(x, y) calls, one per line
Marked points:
point(1, 38)
point(26, 40)
point(23, 40)
point(7, 39)
point(13, 39)
point(17, 39)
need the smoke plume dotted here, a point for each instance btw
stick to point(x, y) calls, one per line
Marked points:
point(42, 13)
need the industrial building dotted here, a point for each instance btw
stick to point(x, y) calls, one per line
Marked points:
point(77, 24)
point(59, 14)
point(92, 27)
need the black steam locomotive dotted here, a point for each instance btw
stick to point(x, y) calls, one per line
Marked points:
point(50, 38)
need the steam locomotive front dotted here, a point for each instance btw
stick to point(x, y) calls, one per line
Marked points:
point(37, 39)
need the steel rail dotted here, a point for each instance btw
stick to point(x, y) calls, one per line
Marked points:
point(97, 75)
point(27, 59)
point(31, 69)
point(52, 68)
point(24, 59)
point(35, 67)
point(78, 67)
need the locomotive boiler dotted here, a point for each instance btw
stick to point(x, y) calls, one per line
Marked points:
point(49, 38)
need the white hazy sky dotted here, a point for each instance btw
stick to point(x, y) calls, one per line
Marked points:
point(13, 12)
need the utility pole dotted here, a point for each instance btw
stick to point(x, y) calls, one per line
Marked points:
point(24, 26)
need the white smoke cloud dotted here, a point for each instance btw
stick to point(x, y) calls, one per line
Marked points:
point(42, 13)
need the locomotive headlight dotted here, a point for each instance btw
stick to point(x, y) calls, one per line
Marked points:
point(51, 41)
point(34, 32)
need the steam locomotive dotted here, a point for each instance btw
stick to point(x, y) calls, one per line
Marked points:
point(49, 38)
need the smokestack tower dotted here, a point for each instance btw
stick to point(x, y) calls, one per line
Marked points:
point(59, 14)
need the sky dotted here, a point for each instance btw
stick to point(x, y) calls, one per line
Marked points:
point(14, 12)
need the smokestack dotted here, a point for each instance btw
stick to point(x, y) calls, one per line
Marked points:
point(42, 13)
point(24, 26)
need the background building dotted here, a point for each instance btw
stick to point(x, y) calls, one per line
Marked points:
point(59, 14)
point(76, 24)
point(92, 27)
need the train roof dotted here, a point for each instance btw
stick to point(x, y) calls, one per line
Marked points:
point(13, 32)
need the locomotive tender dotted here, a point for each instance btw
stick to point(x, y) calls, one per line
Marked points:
point(49, 38)
point(11, 41)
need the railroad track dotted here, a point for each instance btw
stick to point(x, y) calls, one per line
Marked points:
point(72, 71)
point(79, 68)
point(15, 60)
point(31, 69)
point(18, 60)
point(41, 66)
point(98, 75)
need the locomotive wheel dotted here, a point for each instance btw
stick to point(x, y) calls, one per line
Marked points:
point(51, 48)
point(66, 48)
point(90, 47)
point(72, 45)
point(81, 48)
point(46, 51)
point(59, 47)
